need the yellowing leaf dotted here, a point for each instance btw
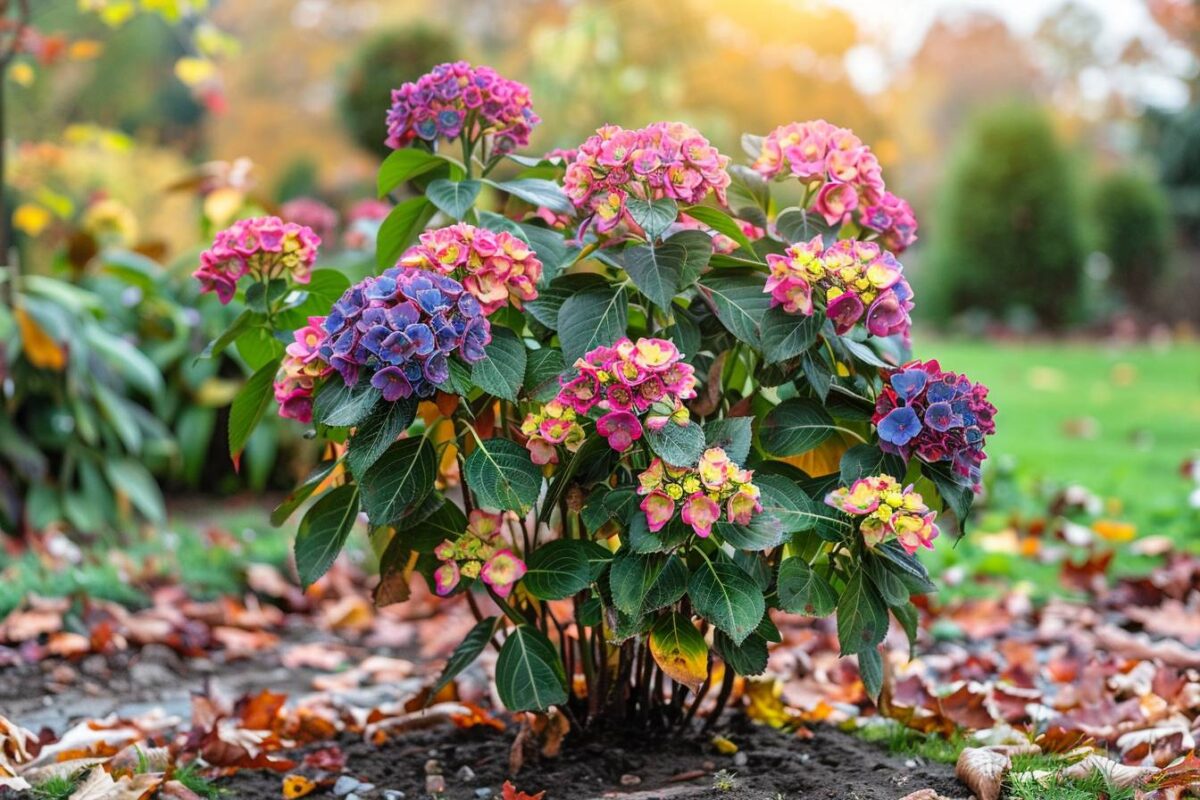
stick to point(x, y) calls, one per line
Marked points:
point(1114, 531)
point(40, 347)
point(297, 786)
point(724, 746)
point(679, 650)
point(194, 71)
point(31, 219)
point(826, 458)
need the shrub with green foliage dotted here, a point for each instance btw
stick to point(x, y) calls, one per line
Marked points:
point(1008, 232)
point(619, 398)
point(1133, 228)
point(386, 61)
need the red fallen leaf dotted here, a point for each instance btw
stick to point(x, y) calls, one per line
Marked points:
point(229, 746)
point(1087, 576)
point(1011, 702)
point(261, 711)
point(509, 792)
point(329, 759)
point(1172, 618)
point(307, 725)
point(1185, 773)
point(966, 708)
point(1057, 739)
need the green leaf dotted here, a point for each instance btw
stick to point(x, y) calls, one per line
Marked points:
point(795, 426)
point(248, 407)
point(748, 658)
point(468, 650)
point(818, 374)
point(542, 370)
point(459, 381)
point(341, 406)
point(529, 673)
point(749, 195)
point(887, 582)
point(503, 367)
point(591, 318)
point(128, 361)
point(403, 165)
point(720, 222)
point(867, 460)
point(502, 475)
point(798, 225)
point(802, 591)
point(653, 216)
point(786, 502)
point(240, 325)
point(399, 479)
point(423, 535)
point(763, 533)
point(537, 192)
point(400, 229)
point(956, 496)
point(552, 250)
point(680, 650)
point(862, 618)
point(787, 335)
point(550, 298)
point(732, 434)
point(302, 492)
point(907, 567)
point(558, 569)
point(323, 532)
point(870, 667)
point(377, 431)
point(909, 619)
point(678, 445)
point(133, 480)
point(454, 198)
point(740, 302)
point(642, 583)
point(642, 540)
point(727, 597)
point(655, 275)
point(258, 347)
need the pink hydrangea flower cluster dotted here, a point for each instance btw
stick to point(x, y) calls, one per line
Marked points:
point(940, 416)
point(889, 510)
point(720, 242)
point(312, 213)
point(495, 267)
point(362, 223)
point(302, 367)
point(665, 159)
point(702, 492)
point(834, 162)
point(456, 99)
point(478, 553)
point(629, 380)
point(554, 424)
point(856, 280)
point(893, 219)
point(262, 247)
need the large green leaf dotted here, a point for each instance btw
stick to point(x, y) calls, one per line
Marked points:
point(654, 273)
point(591, 318)
point(468, 650)
point(866, 460)
point(886, 581)
point(720, 222)
point(748, 658)
point(503, 367)
point(787, 502)
point(400, 229)
point(423, 534)
point(128, 361)
point(727, 597)
point(399, 479)
point(740, 302)
point(642, 583)
point(787, 335)
point(341, 406)
point(377, 431)
point(870, 667)
point(302, 492)
point(907, 567)
point(133, 480)
point(550, 298)
point(654, 216)
point(795, 426)
point(552, 250)
point(537, 192)
point(542, 370)
point(502, 475)
point(862, 617)
point(733, 435)
point(558, 569)
point(454, 198)
point(529, 673)
point(798, 225)
point(749, 195)
point(679, 445)
point(955, 494)
point(802, 591)
point(403, 165)
point(323, 532)
point(762, 533)
point(248, 407)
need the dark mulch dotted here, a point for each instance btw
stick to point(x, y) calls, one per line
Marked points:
point(769, 765)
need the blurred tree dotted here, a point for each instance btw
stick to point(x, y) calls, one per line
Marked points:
point(1175, 138)
point(382, 64)
point(1134, 229)
point(1007, 234)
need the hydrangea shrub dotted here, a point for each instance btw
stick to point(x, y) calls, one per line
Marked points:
point(621, 397)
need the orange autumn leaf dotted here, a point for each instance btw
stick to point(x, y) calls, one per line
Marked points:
point(40, 347)
point(1114, 531)
point(297, 786)
point(509, 792)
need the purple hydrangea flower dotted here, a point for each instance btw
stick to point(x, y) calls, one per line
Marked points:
point(900, 426)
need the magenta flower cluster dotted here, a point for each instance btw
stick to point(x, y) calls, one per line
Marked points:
point(665, 159)
point(496, 268)
point(627, 381)
point(312, 213)
point(856, 281)
point(892, 218)
point(456, 99)
point(938, 415)
point(262, 247)
point(401, 328)
point(302, 367)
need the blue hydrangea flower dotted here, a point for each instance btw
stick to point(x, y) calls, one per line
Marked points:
point(900, 426)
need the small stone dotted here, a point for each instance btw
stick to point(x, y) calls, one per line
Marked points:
point(435, 784)
point(911, 763)
point(465, 774)
point(353, 796)
point(433, 767)
point(393, 794)
point(709, 766)
point(630, 780)
point(740, 759)
point(483, 793)
point(345, 785)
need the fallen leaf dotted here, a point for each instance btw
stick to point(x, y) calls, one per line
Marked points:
point(297, 786)
point(982, 770)
point(509, 792)
point(1114, 772)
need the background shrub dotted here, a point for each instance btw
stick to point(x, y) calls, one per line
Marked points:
point(1009, 235)
point(382, 64)
point(1134, 230)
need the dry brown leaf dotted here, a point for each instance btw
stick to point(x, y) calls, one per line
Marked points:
point(99, 785)
point(982, 770)
point(1117, 774)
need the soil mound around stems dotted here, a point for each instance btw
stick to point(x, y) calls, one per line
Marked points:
point(831, 765)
